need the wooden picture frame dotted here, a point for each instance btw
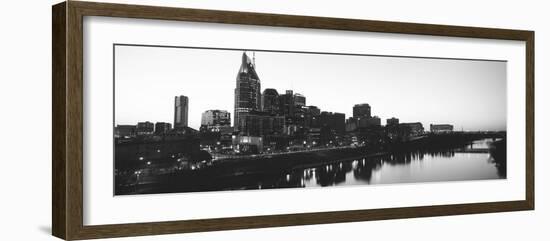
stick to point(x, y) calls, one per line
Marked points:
point(67, 124)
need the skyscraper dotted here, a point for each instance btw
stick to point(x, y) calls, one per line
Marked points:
point(258, 123)
point(248, 90)
point(181, 109)
point(287, 104)
point(311, 116)
point(334, 121)
point(361, 110)
point(299, 100)
point(270, 101)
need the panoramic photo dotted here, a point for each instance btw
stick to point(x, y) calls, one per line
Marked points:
point(189, 119)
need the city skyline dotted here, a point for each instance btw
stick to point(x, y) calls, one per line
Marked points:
point(163, 73)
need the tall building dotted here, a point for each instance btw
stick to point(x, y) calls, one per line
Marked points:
point(181, 111)
point(216, 118)
point(361, 110)
point(270, 101)
point(334, 121)
point(257, 123)
point(247, 92)
point(299, 100)
point(162, 128)
point(290, 103)
point(287, 104)
point(311, 114)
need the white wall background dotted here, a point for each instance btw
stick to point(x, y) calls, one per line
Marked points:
point(25, 136)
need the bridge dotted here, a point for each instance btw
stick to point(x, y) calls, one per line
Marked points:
point(471, 134)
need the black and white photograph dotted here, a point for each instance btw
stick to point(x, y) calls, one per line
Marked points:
point(193, 119)
point(270, 120)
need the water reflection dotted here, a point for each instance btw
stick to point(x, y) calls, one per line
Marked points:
point(474, 162)
point(363, 168)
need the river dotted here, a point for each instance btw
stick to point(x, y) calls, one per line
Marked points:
point(473, 162)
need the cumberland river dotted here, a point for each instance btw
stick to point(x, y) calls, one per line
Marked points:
point(472, 162)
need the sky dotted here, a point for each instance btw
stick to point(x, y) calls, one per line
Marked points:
point(469, 94)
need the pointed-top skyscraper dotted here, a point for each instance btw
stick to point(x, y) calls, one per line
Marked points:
point(248, 95)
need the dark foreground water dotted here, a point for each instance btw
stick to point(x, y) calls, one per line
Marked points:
point(473, 162)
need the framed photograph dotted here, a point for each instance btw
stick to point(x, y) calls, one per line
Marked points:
point(172, 120)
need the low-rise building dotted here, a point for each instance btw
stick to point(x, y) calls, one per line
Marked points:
point(247, 144)
point(162, 128)
point(145, 128)
point(125, 131)
point(216, 119)
point(441, 128)
point(411, 129)
point(392, 121)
